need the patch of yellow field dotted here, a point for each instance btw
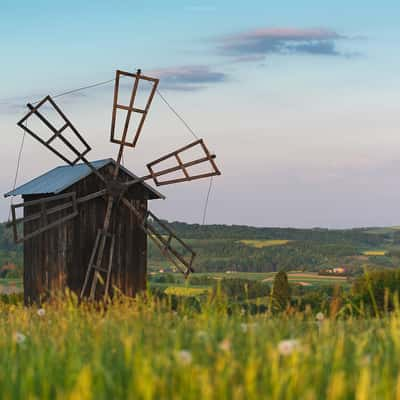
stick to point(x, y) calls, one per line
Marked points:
point(259, 244)
point(184, 291)
point(374, 253)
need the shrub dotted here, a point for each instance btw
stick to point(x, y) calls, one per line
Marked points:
point(281, 289)
point(241, 289)
point(377, 288)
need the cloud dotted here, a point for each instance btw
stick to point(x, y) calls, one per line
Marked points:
point(261, 42)
point(188, 78)
point(18, 105)
point(181, 78)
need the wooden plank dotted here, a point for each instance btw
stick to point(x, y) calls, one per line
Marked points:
point(133, 109)
point(56, 133)
point(149, 101)
point(115, 101)
point(172, 154)
point(181, 165)
point(89, 269)
point(133, 75)
point(110, 261)
point(162, 243)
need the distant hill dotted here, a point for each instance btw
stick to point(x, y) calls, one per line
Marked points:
point(247, 248)
point(368, 236)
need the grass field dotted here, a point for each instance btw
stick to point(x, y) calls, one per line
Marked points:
point(259, 244)
point(185, 291)
point(183, 288)
point(293, 277)
point(8, 286)
point(143, 350)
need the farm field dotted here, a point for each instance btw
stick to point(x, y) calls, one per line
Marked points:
point(137, 350)
point(374, 253)
point(264, 243)
point(8, 286)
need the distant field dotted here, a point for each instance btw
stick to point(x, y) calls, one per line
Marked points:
point(309, 279)
point(233, 274)
point(384, 230)
point(185, 291)
point(9, 286)
point(259, 244)
point(374, 253)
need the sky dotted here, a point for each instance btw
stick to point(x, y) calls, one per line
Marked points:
point(299, 100)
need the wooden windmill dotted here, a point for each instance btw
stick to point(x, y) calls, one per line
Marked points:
point(58, 226)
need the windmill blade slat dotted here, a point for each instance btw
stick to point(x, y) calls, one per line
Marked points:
point(57, 133)
point(45, 212)
point(130, 108)
point(184, 265)
point(183, 166)
point(42, 215)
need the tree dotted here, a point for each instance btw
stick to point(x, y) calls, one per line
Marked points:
point(281, 289)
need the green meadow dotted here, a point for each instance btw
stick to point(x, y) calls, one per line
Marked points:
point(145, 349)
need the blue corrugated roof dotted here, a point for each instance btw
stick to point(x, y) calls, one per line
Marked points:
point(60, 178)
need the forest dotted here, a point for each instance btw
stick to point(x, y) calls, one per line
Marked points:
point(223, 248)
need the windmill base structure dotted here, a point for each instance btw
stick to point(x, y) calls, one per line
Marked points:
point(85, 225)
point(58, 258)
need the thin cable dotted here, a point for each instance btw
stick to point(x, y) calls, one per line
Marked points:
point(197, 138)
point(79, 89)
point(207, 200)
point(176, 113)
point(17, 168)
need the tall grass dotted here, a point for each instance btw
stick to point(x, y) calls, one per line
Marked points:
point(145, 350)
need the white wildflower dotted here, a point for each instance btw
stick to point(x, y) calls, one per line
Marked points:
point(19, 337)
point(320, 317)
point(225, 345)
point(286, 347)
point(184, 357)
point(41, 312)
point(247, 327)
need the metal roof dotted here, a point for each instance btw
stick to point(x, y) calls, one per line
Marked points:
point(58, 179)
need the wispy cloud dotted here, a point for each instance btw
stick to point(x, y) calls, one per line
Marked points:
point(18, 105)
point(188, 78)
point(261, 42)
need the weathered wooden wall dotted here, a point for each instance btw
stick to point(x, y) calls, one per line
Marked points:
point(59, 257)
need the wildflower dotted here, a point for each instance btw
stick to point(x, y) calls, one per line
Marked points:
point(19, 337)
point(246, 327)
point(225, 345)
point(185, 357)
point(366, 360)
point(202, 334)
point(320, 317)
point(41, 312)
point(286, 347)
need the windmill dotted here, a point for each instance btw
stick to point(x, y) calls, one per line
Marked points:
point(51, 212)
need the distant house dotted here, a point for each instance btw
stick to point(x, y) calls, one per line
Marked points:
point(336, 271)
point(339, 270)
